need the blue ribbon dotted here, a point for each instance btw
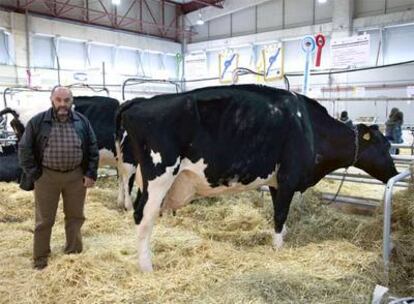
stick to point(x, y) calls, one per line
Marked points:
point(308, 45)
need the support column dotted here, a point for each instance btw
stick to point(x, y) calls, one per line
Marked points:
point(343, 12)
point(21, 52)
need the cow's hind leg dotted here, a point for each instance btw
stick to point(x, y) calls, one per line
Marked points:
point(126, 172)
point(281, 199)
point(147, 211)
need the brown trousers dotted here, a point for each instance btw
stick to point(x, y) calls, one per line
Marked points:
point(48, 189)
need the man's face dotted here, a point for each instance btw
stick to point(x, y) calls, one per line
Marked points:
point(62, 102)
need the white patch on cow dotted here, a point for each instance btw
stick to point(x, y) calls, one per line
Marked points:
point(203, 188)
point(278, 238)
point(157, 189)
point(156, 157)
point(123, 137)
point(138, 178)
point(125, 172)
point(299, 114)
point(106, 158)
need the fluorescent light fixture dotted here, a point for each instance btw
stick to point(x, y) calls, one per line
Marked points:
point(322, 1)
point(116, 2)
point(200, 21)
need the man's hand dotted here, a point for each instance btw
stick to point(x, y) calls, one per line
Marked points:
point(88, 182)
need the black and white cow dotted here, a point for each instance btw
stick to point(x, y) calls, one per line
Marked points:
point(219, 140)
point(10, 170)
point(101, 112)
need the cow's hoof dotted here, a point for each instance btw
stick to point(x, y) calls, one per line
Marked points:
point(284, 230)
point(145, 267)
point(277, 241)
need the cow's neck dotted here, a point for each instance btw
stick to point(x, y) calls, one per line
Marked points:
point(334, 148)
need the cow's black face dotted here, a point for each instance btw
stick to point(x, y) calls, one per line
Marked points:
point(374, 157)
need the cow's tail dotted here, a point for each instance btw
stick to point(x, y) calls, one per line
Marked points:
point(120, 130)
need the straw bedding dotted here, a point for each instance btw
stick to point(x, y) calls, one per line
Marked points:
point(216, 250)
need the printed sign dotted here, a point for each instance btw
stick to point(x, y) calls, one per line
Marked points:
point(195, 65)
point(350, 50)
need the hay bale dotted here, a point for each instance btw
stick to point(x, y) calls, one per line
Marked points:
point(216, 250)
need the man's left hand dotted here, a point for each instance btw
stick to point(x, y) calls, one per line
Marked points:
point(88, 182)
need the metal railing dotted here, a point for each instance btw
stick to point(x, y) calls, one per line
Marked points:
point(387, 216)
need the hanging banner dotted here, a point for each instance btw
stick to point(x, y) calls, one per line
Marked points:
point(273, 62)
point(350, 51)
point(308, 45)
point(228, 62)
point(195, 65)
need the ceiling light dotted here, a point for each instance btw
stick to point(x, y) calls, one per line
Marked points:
point(200, 20)
point(116, 2)
point(322, 1)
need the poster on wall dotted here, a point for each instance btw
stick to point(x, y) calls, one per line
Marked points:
point(195, 65)
point(228, 62)
point(350, 51)
point(273, 62)
point(260, 67)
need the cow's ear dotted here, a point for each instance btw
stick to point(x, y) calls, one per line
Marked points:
point(374, 127)
point(367, 136)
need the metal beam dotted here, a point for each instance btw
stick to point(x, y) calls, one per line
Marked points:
point(107, 13)
point(153, 18)
point(208, 3)
point(229, 7)
point(127, 12)
point(84, 12)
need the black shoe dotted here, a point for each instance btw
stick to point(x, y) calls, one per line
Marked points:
point(40, 264)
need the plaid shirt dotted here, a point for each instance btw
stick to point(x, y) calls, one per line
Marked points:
point(63, 151)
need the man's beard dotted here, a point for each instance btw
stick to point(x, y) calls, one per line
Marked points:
point(61, 115)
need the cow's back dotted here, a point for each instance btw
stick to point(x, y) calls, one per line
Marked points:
point(100, 112)
point(238, 131)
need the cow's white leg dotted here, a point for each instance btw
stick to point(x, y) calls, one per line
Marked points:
point(121, 191)
point(157, 189)
point(278, 238)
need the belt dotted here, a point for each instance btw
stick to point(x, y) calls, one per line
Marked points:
point(61, 171)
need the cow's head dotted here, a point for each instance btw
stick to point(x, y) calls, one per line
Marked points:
point(374, 156)
point(15, 123)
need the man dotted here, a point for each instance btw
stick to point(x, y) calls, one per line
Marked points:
point(59, 156)
point(393, 129)
point(344, 118)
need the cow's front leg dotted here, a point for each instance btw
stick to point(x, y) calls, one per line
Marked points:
point(281, 199)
